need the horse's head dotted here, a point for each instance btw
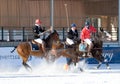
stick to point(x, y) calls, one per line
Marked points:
point(101, 35)
point(53, 37)
point(97, 38)
point(58, 45)
point(105, 36)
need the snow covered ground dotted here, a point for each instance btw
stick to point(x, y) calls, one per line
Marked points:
point(55, 74)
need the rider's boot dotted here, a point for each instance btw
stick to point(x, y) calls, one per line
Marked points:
point(84, 54)
point(89, 50)
point(43, 48)
point(33, 42)
point(89, 54)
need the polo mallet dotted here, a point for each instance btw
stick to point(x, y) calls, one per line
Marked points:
point(67, 17)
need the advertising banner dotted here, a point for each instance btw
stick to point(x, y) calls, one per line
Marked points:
point(8, 59)
point(111, 55)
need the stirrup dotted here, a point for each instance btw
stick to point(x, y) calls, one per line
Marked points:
point(84, 55)
point(89, 54)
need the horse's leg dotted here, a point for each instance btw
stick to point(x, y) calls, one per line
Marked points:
point(100, 59)
point(69, 61)
point(66, 66)
point(24, 58)
point(85, 62)
point(99, 64)
point(27, 66)
point(107, 65)
point(81, 66)
point(106, 60)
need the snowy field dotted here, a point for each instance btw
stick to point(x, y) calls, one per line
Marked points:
point(44, 73)
point(12, 71)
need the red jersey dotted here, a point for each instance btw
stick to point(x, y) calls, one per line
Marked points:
point(92, 29)
point(86, 33)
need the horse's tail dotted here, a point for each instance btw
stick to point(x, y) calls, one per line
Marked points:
point(14, 49)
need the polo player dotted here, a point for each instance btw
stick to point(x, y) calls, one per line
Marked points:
point(85, 36)
point(38, 30)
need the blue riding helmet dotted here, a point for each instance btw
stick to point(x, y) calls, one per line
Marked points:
point(87, 23)
point(73, 25)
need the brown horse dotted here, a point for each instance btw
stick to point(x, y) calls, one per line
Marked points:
point(24, 48)
point(74, 54)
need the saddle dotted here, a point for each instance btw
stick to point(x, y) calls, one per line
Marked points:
point(76, 41)
point(67, 45)
point(83, 47)
point(34, 46)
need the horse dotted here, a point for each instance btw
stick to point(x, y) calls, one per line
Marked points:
point(75, 55)
point(24, 49)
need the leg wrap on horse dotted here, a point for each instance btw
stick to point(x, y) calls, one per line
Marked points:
point(90, 47)
point(69, 61)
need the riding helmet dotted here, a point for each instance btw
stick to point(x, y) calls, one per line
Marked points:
point(87, 23)
point(73, 25)
point(37, 21)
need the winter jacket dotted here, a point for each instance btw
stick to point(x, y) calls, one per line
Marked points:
point(86, 33)
point(37, 30)
point(72, 34)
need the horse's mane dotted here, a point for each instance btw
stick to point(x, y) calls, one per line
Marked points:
point(49, 40)
point(51, 34)
point(97, 42)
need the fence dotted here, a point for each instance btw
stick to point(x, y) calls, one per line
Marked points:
point(12, 35)
point(15, 33)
